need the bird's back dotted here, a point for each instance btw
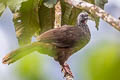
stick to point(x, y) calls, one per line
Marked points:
point(66, 36)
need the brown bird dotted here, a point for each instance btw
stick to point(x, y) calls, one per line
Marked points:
point(60, 43)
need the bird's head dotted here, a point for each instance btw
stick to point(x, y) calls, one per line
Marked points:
point(82, 18)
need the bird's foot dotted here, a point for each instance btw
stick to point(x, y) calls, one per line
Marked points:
point(66, 70)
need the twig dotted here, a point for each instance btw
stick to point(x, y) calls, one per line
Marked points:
point(93, 9)
point(69, 77)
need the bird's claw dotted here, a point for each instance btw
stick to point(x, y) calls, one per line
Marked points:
point(66, 70)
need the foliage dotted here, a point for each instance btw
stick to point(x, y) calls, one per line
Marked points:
point(32, 17)
point(50, 3)
point(29, 21)
point(14, 5)
point(31, 68)
point(102, 62)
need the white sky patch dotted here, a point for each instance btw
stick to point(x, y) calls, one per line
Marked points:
point(3, 42)
point(8, 42)
point(3, 50)
point(116, 2)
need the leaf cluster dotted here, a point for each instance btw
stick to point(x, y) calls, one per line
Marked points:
point(32, 17)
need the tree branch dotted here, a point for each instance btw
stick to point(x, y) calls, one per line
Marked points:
point(68, 77)
point(93, 9)
point(58, 14)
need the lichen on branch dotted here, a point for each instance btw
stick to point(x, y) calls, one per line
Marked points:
point(58, 14)
point(93, 9)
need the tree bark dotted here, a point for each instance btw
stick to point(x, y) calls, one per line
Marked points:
point(58, 14)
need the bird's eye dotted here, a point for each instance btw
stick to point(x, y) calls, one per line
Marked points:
point(86, 15)
point(82, 15)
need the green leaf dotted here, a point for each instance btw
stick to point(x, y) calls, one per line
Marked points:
point(27, 21)
point(96, 19)
point(46, 18)
point(50, 3)
point(43, 48)
point(14, 5)
point(101, 62)
point(69, 13)
point(101, 3)
point(104, 61)
point(31, 68)
point(2, 8)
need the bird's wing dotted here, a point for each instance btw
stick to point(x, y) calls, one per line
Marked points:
point(56, 36)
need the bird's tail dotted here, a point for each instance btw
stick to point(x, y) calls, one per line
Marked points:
point(40, 47)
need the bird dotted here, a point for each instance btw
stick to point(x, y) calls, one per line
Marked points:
point(59, 43)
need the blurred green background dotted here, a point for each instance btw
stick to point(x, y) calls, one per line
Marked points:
point(99, 60)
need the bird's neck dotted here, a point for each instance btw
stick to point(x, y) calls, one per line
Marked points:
point(82, 25)
point(85, 29)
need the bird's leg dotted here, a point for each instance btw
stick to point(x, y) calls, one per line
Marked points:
point(66, 70)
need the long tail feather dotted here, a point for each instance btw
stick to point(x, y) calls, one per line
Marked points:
point(17, 54)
